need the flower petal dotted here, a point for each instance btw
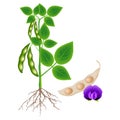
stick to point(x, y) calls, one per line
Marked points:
point(90, 95)
point(92, 92)
point(87, 92)
point(94, 95)
point(98, 90)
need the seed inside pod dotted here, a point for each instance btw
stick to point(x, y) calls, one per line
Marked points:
point(20, 66)
point(31, 63)
point(80, 86)
point(25, 50)
point(22, 58)
point(36, 32)
point(89, 79)
point(68, 91)
point(34, 71)
point(31, 28)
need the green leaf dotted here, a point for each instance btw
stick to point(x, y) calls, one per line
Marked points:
point(31, 19)
point(36, 10)
point(61, 73)
point(42, 10)
point(44, 32)
point(36, 41)
point(49, 43)
point(39, 9)
point(26, 10)
point(64, 53)
point(54, 10)
point(46, 57)
point(49, 21)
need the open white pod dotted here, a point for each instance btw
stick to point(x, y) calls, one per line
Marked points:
point(82, 84)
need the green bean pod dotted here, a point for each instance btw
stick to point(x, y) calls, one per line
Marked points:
point(30, 29)
point(36, 30)
point(31, 63)
point(22, 58)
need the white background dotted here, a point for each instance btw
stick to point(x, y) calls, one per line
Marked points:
point(94, 27)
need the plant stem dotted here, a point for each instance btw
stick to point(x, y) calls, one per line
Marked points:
point(48, 69)
point(39, 21)
point(39, 65)
point(38, 24)
point(39, 68)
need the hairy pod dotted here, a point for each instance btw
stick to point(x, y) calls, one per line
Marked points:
point(36, 30)
point(31, 63)
point(22, 58)
point(30, 29)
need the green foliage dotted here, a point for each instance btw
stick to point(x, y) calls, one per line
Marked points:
point(46, 57)
point(31, 19)
point(39, 9)
point(44, 32)
point(41, 34)
point(64, 53)
point(54, 10)
point(36, 10)
point(49, 21)
point(61, 73)
point(42, 10)
point(49, 43)
point(26, 10)
point(36, 41)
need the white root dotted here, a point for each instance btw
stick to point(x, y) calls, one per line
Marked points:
point(82, 84)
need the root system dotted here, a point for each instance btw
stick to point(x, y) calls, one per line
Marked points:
point(38, 98)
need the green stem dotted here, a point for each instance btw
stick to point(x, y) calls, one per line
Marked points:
point(38, 24)
point(39, 21)
point(39, 68)
point(39, 64)
point(48, 69)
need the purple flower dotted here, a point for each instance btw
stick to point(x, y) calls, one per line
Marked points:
point(92, 92)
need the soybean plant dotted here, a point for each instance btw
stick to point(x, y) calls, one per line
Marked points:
point(40, 20)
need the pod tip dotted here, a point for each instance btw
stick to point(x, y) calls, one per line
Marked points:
point(98, 63)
